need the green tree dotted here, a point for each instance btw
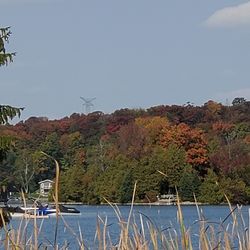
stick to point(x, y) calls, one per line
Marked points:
point(108, 184)
point(7, 113)
point(5, 57)
point(51, 147)
point(71, 185)
point(89, 180)
point(28, 167)
point(235, 189)
point(72, 150)
point(7, 167)
point(125, 191)
point(189, 184)
point(24, 170)
point(147, 175)
point(174, 164)
point(169, 161)
point(210, 191)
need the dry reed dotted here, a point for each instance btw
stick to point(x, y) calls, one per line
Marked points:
point(141, 233)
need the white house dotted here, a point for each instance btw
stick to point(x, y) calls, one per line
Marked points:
point(45, 187)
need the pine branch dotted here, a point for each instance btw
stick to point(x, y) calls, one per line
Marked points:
point(5, 33)
point(5, 59)
point(8, 113)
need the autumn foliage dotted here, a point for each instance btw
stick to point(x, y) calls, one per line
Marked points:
point(198, 148)
point(191, 139)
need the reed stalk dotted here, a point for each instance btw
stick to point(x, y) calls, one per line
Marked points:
point(142, 234)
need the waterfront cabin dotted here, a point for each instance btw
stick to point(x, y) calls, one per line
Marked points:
point(45, 187)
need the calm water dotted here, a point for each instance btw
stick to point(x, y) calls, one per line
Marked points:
point(162, 217)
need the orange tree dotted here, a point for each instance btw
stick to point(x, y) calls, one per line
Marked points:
point(191, 139)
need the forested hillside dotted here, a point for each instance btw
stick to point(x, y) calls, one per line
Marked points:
point(200, 149)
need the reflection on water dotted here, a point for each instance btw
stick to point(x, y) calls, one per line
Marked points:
point(162, 217)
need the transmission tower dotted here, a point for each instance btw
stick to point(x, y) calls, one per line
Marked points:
point(87, 104)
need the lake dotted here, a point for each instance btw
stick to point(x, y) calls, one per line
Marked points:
point(162, 217)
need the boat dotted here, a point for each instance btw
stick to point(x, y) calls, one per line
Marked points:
point(27, 212)
point(14, 211)
point(44, 211)
point(35, 209)
point(63, 210)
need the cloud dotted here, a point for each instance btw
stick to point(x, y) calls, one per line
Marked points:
point(234, 16)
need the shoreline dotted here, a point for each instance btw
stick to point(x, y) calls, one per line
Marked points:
point(185, 203)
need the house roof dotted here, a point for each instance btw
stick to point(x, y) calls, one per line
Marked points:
point(47, 180)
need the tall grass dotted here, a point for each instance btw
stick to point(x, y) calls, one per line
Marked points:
point(135, 231)
point(230, 233)
point(138, 232)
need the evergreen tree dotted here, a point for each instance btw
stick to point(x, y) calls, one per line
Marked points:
point(189, 184)
point(71, 184)
point(125, 191)
point(209, 190)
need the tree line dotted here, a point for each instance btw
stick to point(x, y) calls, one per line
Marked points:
point(200, 149)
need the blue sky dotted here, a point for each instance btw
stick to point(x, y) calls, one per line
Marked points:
point(127, 54)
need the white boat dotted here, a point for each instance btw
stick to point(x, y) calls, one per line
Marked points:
point(41, 211)
point(26, 212)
